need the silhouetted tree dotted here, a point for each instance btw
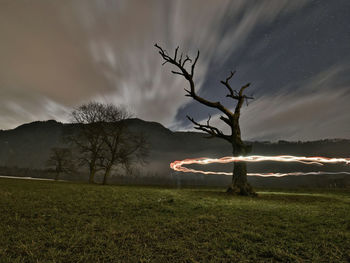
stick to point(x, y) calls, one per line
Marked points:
point(121, 148)
point(231, 118)
point(62, 161)
point(103, 140)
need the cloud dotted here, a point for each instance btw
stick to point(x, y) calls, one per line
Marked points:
point(64, 53)
point(311, 111)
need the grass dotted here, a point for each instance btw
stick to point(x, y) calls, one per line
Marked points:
point(69, 222)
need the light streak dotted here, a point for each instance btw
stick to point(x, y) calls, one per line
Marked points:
point(178, 165)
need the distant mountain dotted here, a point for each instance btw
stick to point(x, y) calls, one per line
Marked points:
point(28, 147)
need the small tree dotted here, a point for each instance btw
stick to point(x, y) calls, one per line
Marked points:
point(103, 140)
point(88, 139)
point(231, 118)
point(62, 161)
point(121, 148)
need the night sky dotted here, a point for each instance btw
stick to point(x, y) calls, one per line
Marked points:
point(55, 55)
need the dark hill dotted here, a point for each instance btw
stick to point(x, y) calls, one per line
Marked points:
point(28, 146)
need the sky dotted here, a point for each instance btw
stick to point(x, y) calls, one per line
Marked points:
point(56, 55)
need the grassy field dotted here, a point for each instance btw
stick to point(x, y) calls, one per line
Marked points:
point(69, 222)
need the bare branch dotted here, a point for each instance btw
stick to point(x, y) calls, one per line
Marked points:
point(186, 59)
point(232, 93)
point(243, 88)
point(188, 93)
point(177, 73)
point(194, 63)
point(211, 130)
point(189, 76)
point(180, 58)
point(176, 52)
point(226, 120)
point(229, 117)
point(241, 99)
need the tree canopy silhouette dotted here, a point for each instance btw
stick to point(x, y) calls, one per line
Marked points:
point(186, 68)
point(104, 140)
point(61, 160)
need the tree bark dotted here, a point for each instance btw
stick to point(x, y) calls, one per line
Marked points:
point(92, 176)
point(240, 183)
point(106, 175)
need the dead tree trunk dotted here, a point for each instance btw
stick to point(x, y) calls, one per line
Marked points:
point(240, 183)
point(239, 179)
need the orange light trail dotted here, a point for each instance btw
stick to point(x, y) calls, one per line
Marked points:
point(178, 165)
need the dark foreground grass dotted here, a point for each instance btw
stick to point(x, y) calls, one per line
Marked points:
point(67, 222)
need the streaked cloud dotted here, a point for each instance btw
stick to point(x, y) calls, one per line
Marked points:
point(58, 54)
point(308, 111)
point(70, 52)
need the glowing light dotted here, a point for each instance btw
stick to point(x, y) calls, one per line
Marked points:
point(178, 165)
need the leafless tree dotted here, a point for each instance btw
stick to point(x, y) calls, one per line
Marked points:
point(103, 140)
point(185, 67)
point(88, 140)
point(62, 161)
point(121, 148)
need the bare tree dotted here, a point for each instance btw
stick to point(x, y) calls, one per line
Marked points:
point(103, 140)
point(185, 68)
point(88, 140)
point(61, 160)
point(121, 148)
